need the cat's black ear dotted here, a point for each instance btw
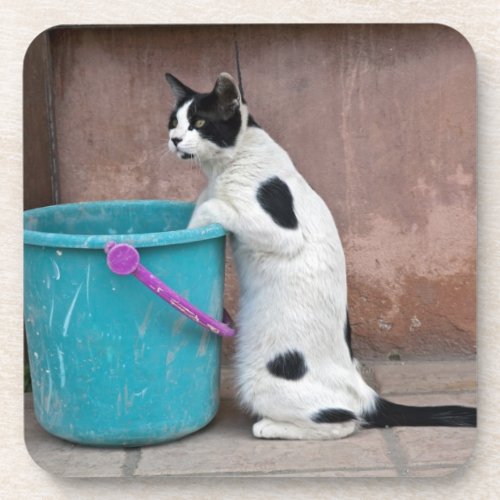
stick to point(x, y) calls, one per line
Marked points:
point(179, 90)
point(228, 95)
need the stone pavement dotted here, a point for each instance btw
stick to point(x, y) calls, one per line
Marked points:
point(226, 446)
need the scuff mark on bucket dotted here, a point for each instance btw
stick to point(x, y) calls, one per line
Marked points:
point(62, 371)
point(51, 314)
point(127, 402)
point(202, 347)
point(118, 405)
point(57, 273)
point(87, 284)
point(141, 393)
point(70, 311)
point(49, 395)
point(139, 353)
point(178, 325)
point(143, 326)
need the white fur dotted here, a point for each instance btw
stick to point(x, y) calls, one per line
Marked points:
point(293, 287)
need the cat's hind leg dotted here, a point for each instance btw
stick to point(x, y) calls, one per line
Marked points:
point(271, 429)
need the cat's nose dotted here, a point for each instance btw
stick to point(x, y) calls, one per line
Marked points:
point(176, 140)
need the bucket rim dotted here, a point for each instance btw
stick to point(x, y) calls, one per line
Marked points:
point(99, 241)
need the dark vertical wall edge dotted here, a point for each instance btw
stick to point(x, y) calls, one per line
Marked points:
point(49, 96)
point(39, 144)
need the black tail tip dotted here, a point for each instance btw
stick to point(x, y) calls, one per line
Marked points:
point(389, 414)
point(466, 416)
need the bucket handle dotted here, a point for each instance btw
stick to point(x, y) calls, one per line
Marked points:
point(124, 259)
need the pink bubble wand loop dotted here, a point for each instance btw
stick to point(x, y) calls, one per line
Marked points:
point(124, 259)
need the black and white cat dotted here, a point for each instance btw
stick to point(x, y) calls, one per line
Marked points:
point(294, 364)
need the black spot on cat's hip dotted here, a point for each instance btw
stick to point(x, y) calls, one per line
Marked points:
point(290, 365)
point(275, 198)
point(332, 416)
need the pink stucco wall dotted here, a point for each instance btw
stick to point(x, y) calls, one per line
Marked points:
point(381, 120)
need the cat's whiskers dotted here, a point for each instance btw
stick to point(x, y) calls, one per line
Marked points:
point(159, 152)
point(160, 147)
point(192, 161)
point(198, 162)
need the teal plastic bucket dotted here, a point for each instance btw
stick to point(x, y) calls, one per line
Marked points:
point(111, 363)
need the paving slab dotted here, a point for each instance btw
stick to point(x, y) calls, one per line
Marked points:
point(440, 447)
point(227, 447)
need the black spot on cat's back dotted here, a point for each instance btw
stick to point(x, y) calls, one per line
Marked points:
point(289, 365)
point(275, 198)
point(332, 416)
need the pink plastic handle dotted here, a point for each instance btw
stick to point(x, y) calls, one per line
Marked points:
point(124, 259)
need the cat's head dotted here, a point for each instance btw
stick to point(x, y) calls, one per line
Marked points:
point(206, 125)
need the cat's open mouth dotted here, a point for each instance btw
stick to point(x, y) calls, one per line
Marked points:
point(185, 156)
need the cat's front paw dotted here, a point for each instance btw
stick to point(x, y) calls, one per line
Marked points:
point(212, 211)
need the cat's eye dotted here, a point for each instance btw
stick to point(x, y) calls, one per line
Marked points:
point(173, 123)
point(199, 123)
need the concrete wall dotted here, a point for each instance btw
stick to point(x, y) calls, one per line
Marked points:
point(381, 120)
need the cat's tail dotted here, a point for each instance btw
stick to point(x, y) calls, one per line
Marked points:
point(388, 414)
